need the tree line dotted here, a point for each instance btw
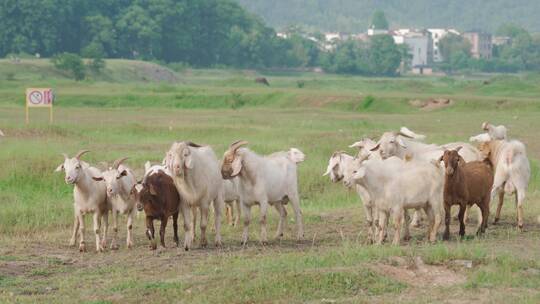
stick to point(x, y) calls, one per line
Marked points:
point(521, 53)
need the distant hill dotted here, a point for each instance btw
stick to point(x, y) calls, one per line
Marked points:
point(354, 15)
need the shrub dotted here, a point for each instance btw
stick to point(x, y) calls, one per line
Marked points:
point(300, 84)
point(72, 63)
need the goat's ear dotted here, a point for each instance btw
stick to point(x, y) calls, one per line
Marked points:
point(360, 173)
point(458, 148)
point(375, 148)
point(122, 174)
point(236, 165)
point(436, 163)
point(327, 171)
point(188, 161)
point(152, 189)
point(98, 179)
point(59, 168)
point(441, 158)
point(147, 166)
point(401, 143)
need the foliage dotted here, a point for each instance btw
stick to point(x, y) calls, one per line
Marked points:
point(455, 51)
point(199, 33)
point(378, 21)
point(72, 63)
point(354, 15)
point(378, 57)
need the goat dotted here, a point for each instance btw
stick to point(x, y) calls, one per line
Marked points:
point(89, 197)
point(262, 80)
point(512, 172)
point(495, 132)
point(158, 197)
point(268, 180)
point(418, 185)
point(197, 178)
point(466, 184)
point(119, 181)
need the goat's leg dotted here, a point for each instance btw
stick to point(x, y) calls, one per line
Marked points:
point(282, 219)
point(150, 232)
point(382, 227)
point(406, 230)
point(246, 214)
point(164, 220)
point(105, 229)
point(193, 222)
point(461, 215)
point(187, 225)
point(416, 219)
point(229, 213)
point(436, 224)
point(484, 207)
point(499, 207)
point(264, 214)
point(82, 245)
point(129, 240)
point(447, 219)
point(398, 219)
point(175, 228)
point(295, 202)
point(238, 213)
point(520, 198)
point(204, 223)
point(97, 225)
point(369, 221)
point(114, 244)
point(218, 207)
point(73, 239)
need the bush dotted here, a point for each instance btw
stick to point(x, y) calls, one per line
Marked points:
point(367, 102)
point(10, 76)
point(72, 63)
point(96, 64)
point(237, 101)
point(300, 84)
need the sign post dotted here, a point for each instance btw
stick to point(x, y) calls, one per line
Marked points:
point(39, 98)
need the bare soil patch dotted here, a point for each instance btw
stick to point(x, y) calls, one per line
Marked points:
point(431, 103)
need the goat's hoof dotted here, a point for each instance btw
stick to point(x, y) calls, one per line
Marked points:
point(114, 247)
point(520, 228)
point(407, 238)
point(204, 243)
point(129, 245)
point(218, 244)
point(243, 243)
point(264, 243)
point(99, 249)
point(82, 248)
point(153, 246)
point(495, 221)
point(72, 243)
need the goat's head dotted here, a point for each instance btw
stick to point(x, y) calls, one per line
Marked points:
point(144, 195)
point(112, 175)
point(485, 126)
point(390, 143)
point(364, 147)
point(335, 167)
point(180, 158)
point(452, 160)
point(349, 171)
point(485, 149)
point(232, 160)
point(72, 167)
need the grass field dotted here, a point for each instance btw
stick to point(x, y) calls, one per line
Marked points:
point(139, 109)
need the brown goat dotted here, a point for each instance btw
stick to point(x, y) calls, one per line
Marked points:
point(158, 197)
point(466, 184)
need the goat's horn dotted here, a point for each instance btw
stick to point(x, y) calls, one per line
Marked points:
point(485, 125)
point(65, 155)
point(80, 153)
point(192, 144)
point(237, 144)
point(118, 162)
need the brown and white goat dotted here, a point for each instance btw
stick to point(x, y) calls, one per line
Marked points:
point(158, 197)
point(466, 184)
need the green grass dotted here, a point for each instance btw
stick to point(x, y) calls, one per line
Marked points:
point(125, 113)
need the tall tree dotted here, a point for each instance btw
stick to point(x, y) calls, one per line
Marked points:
point(378, 21)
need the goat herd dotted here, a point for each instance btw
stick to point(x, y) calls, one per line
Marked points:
point(397, 173)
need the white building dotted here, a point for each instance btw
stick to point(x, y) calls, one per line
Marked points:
point(437, 35)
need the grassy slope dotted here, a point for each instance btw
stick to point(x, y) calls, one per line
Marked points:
point(141, 119)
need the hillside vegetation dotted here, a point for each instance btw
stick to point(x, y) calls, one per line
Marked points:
point(354, 15)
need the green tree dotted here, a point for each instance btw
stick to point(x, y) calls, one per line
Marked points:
point(384, 56)
point(455, 51)
point(72, 63)
point(378, 20)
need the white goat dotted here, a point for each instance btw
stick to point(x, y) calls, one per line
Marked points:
point(120, 180)
point(1, 133)
point(495, 132)
point(196, 175)
point(405, 145)
point(89, 197)
point(340, 167)
point(418, 185)
point(265, 180)
point(231, 197)
point(512, 172)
